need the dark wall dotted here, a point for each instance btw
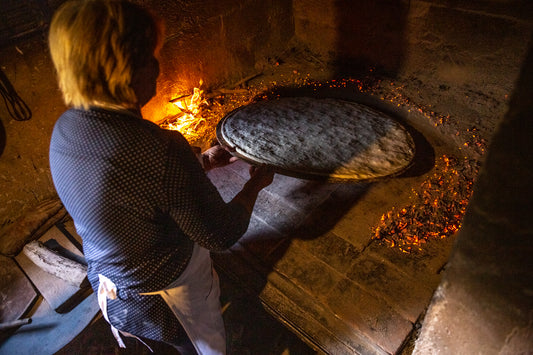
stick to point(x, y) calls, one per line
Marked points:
point(219, 42)
point(457, 58)
point(484, 303)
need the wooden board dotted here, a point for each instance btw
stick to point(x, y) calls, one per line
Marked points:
point(16, 291)
point(61, 295)
point(50, 331)
point(69, 230)
point(53, 327)
point(318, 138)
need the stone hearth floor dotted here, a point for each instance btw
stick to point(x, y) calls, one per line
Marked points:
point(309, 257)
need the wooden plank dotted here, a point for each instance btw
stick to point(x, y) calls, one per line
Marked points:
point(290, 305)
point(17, 294)
point(50, 331)
point(69, 230)
point(56, 264)
point(30, 226)
point(302, 274)
point(61, 295)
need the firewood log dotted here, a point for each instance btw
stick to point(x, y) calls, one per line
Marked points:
point(64, 268)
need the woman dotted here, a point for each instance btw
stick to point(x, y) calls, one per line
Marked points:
point(138, 195)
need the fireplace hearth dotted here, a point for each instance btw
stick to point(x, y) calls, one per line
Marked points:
point(371, 268)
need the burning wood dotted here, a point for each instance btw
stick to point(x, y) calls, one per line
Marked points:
point(188, 120)
point(201, 110)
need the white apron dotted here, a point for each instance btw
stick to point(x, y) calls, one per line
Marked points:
point(194, 300)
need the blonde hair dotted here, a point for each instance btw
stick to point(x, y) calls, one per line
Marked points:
point(96, 45)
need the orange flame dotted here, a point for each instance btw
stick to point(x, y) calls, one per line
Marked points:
point(189, 119)
point(200, 112)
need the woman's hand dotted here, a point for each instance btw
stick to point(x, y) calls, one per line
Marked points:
point(261, 176)
point(217, 157)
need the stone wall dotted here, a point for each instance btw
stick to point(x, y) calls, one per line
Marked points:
point(218, 42)
point(461, 58)
point(484, 304)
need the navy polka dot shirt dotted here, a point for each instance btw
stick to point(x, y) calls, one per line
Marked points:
point(139, 200)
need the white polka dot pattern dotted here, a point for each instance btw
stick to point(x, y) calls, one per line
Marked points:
point(139, 200)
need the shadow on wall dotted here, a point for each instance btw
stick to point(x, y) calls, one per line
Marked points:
point(354, 35)
point(370, 34)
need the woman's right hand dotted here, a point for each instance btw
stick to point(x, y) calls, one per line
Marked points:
point(261, 176)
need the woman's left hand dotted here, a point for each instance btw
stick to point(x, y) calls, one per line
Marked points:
point(216, 157)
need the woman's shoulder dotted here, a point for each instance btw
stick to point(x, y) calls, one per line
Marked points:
point(118, 126)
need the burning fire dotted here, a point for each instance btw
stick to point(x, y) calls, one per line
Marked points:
point(435, 212)
point(188, 120)
point(200, 112)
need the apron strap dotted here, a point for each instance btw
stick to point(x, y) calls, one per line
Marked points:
point(107, 289)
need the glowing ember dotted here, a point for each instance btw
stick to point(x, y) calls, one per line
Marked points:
point(436, 210)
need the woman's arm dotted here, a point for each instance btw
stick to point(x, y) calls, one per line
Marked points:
point(198, 209)
point(260, 177)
